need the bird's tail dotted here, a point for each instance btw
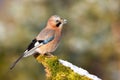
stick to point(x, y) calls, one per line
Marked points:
point(13, 65)
point(25, 54)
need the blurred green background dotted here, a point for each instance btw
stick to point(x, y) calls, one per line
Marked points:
point(91, 38)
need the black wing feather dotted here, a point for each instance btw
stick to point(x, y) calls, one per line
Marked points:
point(32, 44)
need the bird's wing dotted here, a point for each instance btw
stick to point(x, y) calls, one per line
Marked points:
point(43, 38)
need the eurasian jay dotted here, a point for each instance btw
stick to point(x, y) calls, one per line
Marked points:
point(47, 40)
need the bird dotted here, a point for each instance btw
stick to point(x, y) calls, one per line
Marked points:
point(47, 40)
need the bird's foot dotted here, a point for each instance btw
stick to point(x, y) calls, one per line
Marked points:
point(36, 55)
point(48, 55)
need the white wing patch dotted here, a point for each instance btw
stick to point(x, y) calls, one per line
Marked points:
point(37, 43)
point(32, 51)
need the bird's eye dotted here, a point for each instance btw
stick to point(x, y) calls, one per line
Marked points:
point(57, 21)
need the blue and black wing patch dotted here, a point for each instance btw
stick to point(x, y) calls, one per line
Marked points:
point(48, 40)
point(37, 42)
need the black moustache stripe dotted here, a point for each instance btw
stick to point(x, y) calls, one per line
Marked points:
point(58, 24)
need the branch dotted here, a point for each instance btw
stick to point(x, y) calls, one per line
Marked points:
point(57, 69)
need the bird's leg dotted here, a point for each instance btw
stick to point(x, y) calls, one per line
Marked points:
point(36, 55)
point(48, 54)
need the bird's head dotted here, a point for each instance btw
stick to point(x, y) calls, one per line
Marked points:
point(56, 21)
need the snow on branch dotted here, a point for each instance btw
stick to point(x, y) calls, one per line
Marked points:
point(79, 70)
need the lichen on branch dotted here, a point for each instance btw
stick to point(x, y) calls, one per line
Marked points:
point(57, 71)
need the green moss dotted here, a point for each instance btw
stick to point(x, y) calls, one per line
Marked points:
point(57, 71)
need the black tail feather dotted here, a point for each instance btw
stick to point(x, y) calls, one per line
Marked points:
point(13, 65)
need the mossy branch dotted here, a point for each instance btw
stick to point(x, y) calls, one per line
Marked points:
point(57, 71)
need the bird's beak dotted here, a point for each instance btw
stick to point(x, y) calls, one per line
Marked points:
point(64, 21)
